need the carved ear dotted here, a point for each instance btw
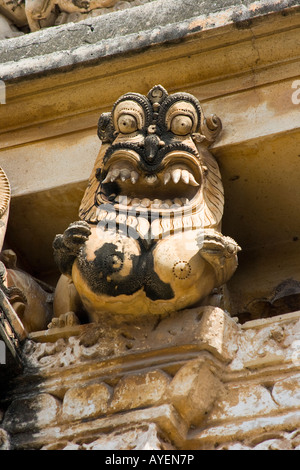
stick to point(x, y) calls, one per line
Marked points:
point(213, 193)
point(4, 204)
point(210, 128)
point(4, 192)
point(105, 128)
point(88, 206)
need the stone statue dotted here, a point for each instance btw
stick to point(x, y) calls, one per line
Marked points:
point(37, 14)
point(148, 240)
point(31, 302)
point(8, 29)
point(37, 10)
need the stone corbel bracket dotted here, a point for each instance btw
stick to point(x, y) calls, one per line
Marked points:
point(196, 380)
point(162, 372)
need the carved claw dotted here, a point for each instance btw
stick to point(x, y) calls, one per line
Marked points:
point(218, 244)
point(67, 246)
point(220, 252)
point(66, 319)
point(76, 235)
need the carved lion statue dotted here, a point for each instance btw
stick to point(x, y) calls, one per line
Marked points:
point(148, 241)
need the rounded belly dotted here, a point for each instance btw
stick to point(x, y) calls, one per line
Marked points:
point(121, 275)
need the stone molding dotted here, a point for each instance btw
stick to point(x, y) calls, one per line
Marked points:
point(119, 33)
point(166, 393)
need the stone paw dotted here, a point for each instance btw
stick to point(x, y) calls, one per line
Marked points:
point(66, 319)
point(214, 243)
point(76, 235)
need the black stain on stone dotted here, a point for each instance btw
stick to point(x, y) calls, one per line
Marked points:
point(234, 178)
point(196, 29)
point(109, 260)
point(244, 19)
point(240, 23)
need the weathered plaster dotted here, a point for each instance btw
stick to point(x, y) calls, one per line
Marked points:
point(193, 381)
point(118, 33)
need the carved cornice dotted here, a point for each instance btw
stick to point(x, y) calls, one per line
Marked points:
point(199, 379)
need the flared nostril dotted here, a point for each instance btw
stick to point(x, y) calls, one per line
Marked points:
point(152, 146)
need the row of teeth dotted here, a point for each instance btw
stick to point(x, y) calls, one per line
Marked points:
point(145, 203)
point(174, 175)
point(143, 226)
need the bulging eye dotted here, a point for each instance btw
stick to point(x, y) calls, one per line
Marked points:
point(181, 125)
point(127, 124)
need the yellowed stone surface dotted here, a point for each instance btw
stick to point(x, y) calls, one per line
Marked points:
point(175, 394)
point(245, 71)
point(86, 402)
point(193, 390)
point(139, 391)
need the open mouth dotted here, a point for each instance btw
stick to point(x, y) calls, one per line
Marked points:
point(175, 185)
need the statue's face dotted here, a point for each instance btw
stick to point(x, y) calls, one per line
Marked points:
point(153, 162)
point(152, 168)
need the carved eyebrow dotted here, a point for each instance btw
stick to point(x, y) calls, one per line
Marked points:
point(141, 103)
point(175, 98)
